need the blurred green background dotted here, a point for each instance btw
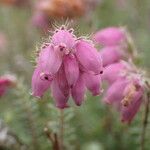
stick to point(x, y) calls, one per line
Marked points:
point(93, 126)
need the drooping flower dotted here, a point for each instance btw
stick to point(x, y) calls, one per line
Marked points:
point(110, 36)
point(78, 91)
point(40, 20)
point(115, 71)
point(93, 83)
point(125, 92)
point(6, 81)
point(114, 44)
point(111, 54)
point(40, 82)
point(66, 65)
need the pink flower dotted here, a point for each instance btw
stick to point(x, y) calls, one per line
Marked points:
point(133, 97)
point(93, 83)
point(40, 20)
point(88, 57)
point(114, 71)
point(49, 60)
point(40, 82)
point(126, 95)
point(62, 65)
point(71, 69)
point(111, 54)
point(60, 89)
point(109, 36)
point(114, 93)
point(78, 91)
point(6, 82)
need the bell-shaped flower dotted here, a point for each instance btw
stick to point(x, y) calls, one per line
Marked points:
point(40, 82)
point(71, 69)
point(114, 71)
point(133, 97)
point(111, 54)
point(109, 36)
point(6, 82)
point(93, 83)
point(49, 60)
point(58, 95)
point(126, 95)
point(78, 91)
point(63, 36)
point(114, 93)
point(88, 56)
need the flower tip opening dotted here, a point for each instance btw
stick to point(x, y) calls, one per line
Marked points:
point(96, 93)
point(36, 96)
point(78, 103)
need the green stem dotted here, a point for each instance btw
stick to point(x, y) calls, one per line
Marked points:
point(145, 121)
point(61, 129)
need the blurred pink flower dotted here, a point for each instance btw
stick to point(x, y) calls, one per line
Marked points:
point(111, 54)
point(125, 93)
point(40, 20)
point(6, 82)
point(66, 64)
point(110, 36)
point(115, 71)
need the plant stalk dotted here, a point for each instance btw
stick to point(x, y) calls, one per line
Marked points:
point(145, 120)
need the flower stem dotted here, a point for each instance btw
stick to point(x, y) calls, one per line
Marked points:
point(61, 129)
point(145, 120)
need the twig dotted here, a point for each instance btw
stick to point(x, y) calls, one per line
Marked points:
point(145, 121)
point(53, 138)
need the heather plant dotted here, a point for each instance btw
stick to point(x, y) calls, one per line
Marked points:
point(68, 65)
point(85, 87)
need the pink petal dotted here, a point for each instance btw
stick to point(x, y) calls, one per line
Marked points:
point(111, 55)
point(39, 85)
point(114, 71)
point(3, 90)
point(88, 56)
point(93, 83)
point(115, 92)
point(49, 60)
point(40, 20)
point(109, 36)
point(62, 81)
point(6, 81)
point(78, 91)
point(129, 112)
point(63, 36)
point(59, 97)
point(71, 69)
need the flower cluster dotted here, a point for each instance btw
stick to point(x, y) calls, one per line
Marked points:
point(126, 89)
point(126, 86)
point(112, 40)
point(67, 65)
point(6, 81)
